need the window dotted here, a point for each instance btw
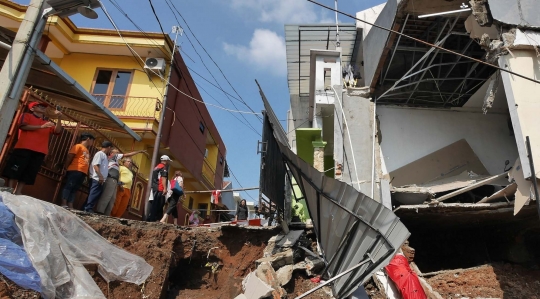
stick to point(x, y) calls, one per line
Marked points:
point(111, 88)
point(203, 209)
point(137, 196)
point(190, 205)
point(201, 127)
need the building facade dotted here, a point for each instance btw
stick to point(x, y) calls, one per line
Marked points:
point(116, 77)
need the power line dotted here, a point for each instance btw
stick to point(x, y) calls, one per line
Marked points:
point(159, 75)
point(426, 43)
point(206, 67)
point(210, 56)
point(246, 123)
point(154, 11)
point(168, 83)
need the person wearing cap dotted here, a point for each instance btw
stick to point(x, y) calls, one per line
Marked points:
point(76, 164)
point(110, 188)
point(160, 178)
point(32, 146)
point(98, 173)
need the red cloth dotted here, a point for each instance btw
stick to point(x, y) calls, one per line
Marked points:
point(405, 279)
point(215, 196)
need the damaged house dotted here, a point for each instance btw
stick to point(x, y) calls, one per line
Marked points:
point(437, 119)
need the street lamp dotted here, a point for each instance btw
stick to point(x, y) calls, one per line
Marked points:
point(19, 59)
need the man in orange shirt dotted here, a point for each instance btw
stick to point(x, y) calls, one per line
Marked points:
point(32, 146)
point(77, 164)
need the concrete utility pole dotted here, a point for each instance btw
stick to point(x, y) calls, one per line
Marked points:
point(18, 62)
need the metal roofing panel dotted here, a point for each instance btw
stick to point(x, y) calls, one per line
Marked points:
point(352, 229)
point(301, 39)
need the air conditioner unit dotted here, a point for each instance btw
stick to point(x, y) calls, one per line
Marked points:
point(155, 64)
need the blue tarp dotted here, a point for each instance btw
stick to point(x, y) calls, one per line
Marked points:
point(14, 262)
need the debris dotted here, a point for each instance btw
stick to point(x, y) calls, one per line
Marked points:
point(290, 238)
point(314, 265)
point(265, 272)
point(524, 187)
point(279, 259)
point(446, 162)
point(490, 95)
point(481, 12)
point(506, 192)
point(316, 279)
point(284, 274)
point(471, 187)
point(255, 288)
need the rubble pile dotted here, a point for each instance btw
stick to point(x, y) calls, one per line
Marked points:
point(284, 271)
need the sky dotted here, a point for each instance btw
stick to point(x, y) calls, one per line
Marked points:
point(246, 40)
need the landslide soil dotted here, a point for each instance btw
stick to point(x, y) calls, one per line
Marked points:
point(489, 281)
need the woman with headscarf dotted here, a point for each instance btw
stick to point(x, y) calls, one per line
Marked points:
point(173, 197)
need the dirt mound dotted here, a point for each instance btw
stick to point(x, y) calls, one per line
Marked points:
point(492, 281)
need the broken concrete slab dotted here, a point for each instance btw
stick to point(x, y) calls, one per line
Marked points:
point(385, 284)
point(241, 296)
point(471, 187)
point(290, 239)
point(524, 187)
point(443, 163)
point(284, 274)
point(314, 265)
point(255, 288)
point(506, 192)
point(265, 272)
point(279, 259)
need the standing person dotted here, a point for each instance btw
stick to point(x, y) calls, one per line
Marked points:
point(77, 164)
point(110, 188)
point(124, 189)
point(241, 211)
point(159, 189)
point(174, 198)
point(98, 172)
point(32, 146)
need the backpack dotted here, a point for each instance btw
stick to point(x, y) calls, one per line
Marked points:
point(176, 188)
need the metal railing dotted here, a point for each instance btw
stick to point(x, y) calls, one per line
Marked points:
point(208, 173)
point(129, 106)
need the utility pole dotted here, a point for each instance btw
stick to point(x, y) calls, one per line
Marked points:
point(155, 153)
point(18, 63)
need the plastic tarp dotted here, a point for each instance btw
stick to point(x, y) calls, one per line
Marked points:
point(14, 262)
point(59, 244)
point(405, 279)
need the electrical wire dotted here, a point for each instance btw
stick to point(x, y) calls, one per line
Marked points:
point(168, 83)
point(159, 75)
point(210, 56)
point(207, 69)
point(426, 43)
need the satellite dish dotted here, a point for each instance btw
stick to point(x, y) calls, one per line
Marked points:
point(87, 11)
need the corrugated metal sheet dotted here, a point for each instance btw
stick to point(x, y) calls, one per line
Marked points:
point(351, 227)
point(300, 39)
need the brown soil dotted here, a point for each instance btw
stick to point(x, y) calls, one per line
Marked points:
point(301, 283)
point(9, 290)
point(492, 281)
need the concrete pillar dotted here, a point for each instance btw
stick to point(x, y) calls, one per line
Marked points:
point(318, 155)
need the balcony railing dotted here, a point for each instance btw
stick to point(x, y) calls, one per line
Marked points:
point(128, 106)
point(208, 173)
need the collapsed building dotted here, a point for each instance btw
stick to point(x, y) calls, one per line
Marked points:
point(430, 111)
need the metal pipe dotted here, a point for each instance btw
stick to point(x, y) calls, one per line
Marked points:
point(426, 43)
point(5, 46)
point(334, 278)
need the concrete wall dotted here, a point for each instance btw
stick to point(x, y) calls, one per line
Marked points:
point(409, 134)
point(523, 102)
point(359, 114)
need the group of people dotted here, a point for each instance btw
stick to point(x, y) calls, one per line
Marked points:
point(109, 172)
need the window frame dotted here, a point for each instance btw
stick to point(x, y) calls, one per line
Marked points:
point(108, 95)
